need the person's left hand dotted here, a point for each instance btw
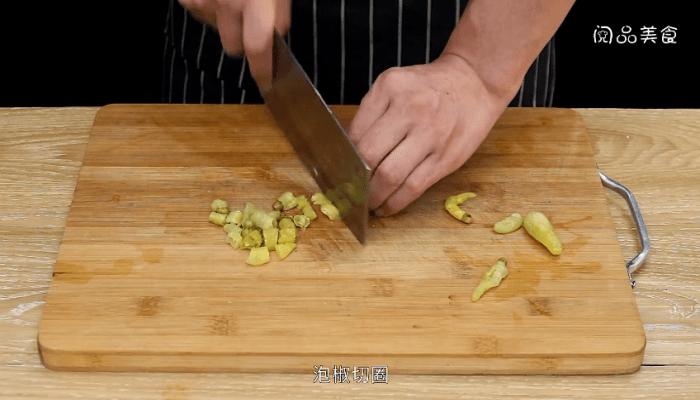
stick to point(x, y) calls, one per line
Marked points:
point(420, 123)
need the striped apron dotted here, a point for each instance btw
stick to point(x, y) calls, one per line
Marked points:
point(343, 45)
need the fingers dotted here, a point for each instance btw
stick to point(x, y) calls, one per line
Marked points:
point(422, 177)
point(228, 21)
point(258, 30)
point(383, 136)
point(373, 106)
point(205, 18)
point(396, 167)
point(283, 16)
point(200, 10)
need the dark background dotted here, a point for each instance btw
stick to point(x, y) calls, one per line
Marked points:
point(99, 52)
point(636, 76)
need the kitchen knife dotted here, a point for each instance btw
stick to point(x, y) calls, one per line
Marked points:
point(318, 138)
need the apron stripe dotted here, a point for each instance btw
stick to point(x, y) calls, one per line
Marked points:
point(219, 77)
point(166, 48)
point(399, 29)
point(342, 51)
point(554, 71)
point(546, 77)
point(458, 12)
point(428, 16)
point(534, 90)
point(182, 49)
point(370, 73)
point(240, 79)
point(223, 92)
point(315, 24)
point(172, 77)
point(520, 95)
point(199, 64)
point(221, 64)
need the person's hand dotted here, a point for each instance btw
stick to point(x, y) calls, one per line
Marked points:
point(420, 123)
point(245, 27)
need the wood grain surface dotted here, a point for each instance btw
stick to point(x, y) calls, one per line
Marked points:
point(144, 282)
point(655, 152)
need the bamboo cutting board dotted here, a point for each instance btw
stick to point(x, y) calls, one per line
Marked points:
point(143, 281)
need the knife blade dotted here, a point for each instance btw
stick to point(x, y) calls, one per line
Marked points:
point(318, 138)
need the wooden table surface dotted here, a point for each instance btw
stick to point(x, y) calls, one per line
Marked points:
point(655, 152)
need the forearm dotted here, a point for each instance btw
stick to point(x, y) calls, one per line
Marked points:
point(500, 39)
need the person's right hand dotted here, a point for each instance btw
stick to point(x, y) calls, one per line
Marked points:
point(245, 27)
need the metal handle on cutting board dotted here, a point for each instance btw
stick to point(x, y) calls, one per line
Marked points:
point(622, 190)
